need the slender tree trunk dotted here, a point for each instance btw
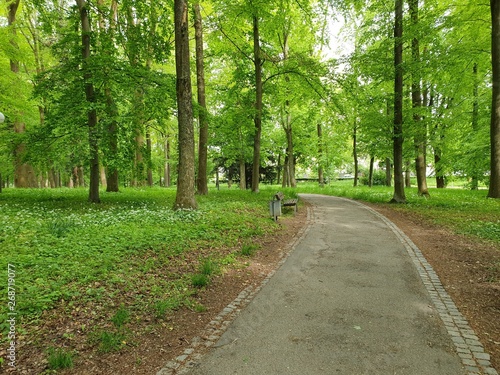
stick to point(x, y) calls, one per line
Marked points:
point(399, 188)
point(286, 180)
point(24, 174)
point(149, 161)
point(408, 174)
point(166, 170)
point(416, 97)
point(370, 176)
point(90, 97)
point(258, 106)
point(111, 154)
point(185, 195)
point(388, 172)
point(278, 179)
point(475, 127)
point(102, 172)
point(112, 184)
point(494, 189)
point(290, 158)
point(243, 184)
point(440, 177)
point(321, 179)
point(201, 181)
point(355, 152)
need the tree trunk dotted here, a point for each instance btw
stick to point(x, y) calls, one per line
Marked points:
point(290, 158)
point(321, 179)
point(408, 174)
point(370, 176)
point(24, 174)
point(440, 177)
point(388, 172)
point(278, 179)
point(201, 181)
point(286, 180)
point(494, 189)
point(243, 183)
point(112, 185)
point(90, 97)
point(475, 127)
point(399, 188)
point(112, 132)
point(149, 161)
point(185, 195)
point(258, 106)
point(416, 97)
point(355, 153)
point(166, 170)
point(103, 176)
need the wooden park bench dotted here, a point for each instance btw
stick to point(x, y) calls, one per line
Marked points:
point(279, 199)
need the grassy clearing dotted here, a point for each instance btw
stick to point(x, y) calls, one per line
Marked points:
point(463, 211)
point(133, 247)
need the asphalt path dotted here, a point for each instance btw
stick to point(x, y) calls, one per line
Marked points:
point(348, 300)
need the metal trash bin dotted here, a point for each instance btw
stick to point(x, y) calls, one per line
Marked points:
point(275, 209)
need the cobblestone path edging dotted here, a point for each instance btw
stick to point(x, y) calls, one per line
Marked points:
point(214, 330)
point(471, 351)
point(474, 358)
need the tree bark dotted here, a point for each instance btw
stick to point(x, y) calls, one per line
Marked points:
point(408, 174)
point(475, 121)
point(355, 152)
point(149, 161)
point(416, 98)
point(321, 179)
point(24, 174)
point(399, 189)
point(388, 172)
point(494, 188)
point(258, 106)
point(370, 176)
point(243, 182)
point(185, 195)
point(111, 155)
point(290, 158)
point(285, 179)
point(112, 130)
point(166, 170)
point(201, 180)
point(90, 97)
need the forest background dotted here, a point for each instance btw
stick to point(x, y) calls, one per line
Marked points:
point(271, 103)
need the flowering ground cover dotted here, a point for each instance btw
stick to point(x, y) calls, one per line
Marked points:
point(130, 254)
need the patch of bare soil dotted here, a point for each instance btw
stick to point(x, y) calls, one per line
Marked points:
point(469, 270)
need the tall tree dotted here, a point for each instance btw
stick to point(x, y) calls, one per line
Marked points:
point(399, 187)
point(24, 174)
point(91, 100)
point(257, 60)
point(420, 137)
point(494, 189)
point(185, 196)
point(201, 179)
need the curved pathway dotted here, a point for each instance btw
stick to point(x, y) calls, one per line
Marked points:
point(355, 296)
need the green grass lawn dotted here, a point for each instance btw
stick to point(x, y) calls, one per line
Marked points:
point(64, 248)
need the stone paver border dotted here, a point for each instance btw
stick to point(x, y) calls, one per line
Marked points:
point(469, 348)
point(471, 351)
point(214, 330)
